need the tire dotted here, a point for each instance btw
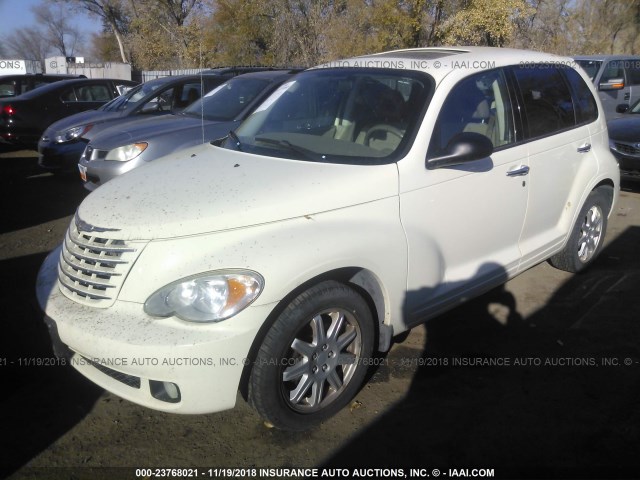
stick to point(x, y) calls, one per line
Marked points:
point(312, 361)
point(587, 236)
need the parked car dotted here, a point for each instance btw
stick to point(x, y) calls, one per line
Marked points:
point(14, 85)
point(624, 140)
point(23, 119)
point(124, 147)
point(63, 142)
point(617, 79)
point(358, 200)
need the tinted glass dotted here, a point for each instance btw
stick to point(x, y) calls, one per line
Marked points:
point(228, 100)
point(343, 115)
point(633, 71)
point(548, 106)
point(479, 104)
point(585, 104)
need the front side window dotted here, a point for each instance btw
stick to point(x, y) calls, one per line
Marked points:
point(344, 115)
point(547, 102)
point(479, 104)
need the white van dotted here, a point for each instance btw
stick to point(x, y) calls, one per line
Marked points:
point(362, 198)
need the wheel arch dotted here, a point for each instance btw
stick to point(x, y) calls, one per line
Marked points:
point(363, 281)
point(608, 189)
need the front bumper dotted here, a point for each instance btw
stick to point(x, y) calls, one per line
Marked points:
point(629, 164)
point(60, 157)
point(99, 172)
point(133, 355)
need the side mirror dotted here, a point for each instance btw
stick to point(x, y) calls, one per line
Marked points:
point(622, 108)
point(612, 84)
point(464, 147)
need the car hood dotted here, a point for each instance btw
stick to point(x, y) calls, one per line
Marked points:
point(625, 129)
point(146, 130)
point(82, 118)
point(206, 189)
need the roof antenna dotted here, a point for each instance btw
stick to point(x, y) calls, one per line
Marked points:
point(202, 92)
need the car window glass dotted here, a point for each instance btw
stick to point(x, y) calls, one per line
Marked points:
point(69, 95)
point(478, 104)
point(189, 93)
point(342, 115)
point(228, 100)
point(162, 101)
point(548, 105)
point(633, 71)
point(613, 70)
point(591, 67)
point(7, 89)
point(92, 93)
point(585, 104)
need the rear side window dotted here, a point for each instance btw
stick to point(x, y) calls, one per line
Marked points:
point(585, 105)
point(633, 71)
point(548, 106)
point(478, 104)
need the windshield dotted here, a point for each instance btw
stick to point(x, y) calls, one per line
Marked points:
point(228, 100)
point(132, 98)
point(590, 66)
point(346, 115)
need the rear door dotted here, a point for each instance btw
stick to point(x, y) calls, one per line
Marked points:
point(557, 107)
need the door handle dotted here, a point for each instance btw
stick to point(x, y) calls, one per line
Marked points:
point(518, 171)
point(584, 148)
point(627, 96)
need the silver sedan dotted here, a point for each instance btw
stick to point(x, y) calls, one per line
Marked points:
point(120, 149)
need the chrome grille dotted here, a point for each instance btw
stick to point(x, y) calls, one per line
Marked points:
point(92, 269)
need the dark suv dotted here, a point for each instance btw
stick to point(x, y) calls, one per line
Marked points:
point(14, 85)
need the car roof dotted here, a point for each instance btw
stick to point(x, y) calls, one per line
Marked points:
point(267, 74)
point(606, 57)
point(70, 83)
point(441, 61)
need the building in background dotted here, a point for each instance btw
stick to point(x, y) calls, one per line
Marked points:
point(77, 66)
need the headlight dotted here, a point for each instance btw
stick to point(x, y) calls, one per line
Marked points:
point(126, 153)
point(72, 133)
point(209, 297)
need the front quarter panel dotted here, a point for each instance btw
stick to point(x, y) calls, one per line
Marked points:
point(286, 253)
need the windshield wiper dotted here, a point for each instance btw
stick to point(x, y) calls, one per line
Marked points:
point(308, 154)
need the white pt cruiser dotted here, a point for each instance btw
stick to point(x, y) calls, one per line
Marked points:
point(361, 199)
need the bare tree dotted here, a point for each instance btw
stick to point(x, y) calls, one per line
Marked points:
point(29, 44)
point(58, 32)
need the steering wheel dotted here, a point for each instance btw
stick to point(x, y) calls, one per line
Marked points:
point(382, 127)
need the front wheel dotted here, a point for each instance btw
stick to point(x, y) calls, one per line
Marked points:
point(587, 236)
point(313, 359)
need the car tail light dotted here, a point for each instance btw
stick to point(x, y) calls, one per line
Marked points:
point(8, 110)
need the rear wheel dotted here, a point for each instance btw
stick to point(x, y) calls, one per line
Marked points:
point(310, 364)
point(587, 236)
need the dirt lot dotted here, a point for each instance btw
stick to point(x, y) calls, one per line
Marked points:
point(563, 404)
